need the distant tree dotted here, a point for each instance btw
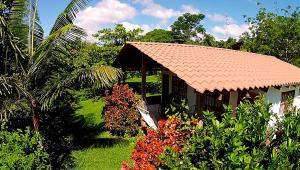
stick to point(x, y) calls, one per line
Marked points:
point(187, 27)
point(110, 42)
point(117, 36)
point(158, 35)
point(231, 43)
point(275, 34)
point(209, 40)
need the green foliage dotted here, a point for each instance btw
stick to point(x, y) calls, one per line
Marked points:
point(209, 40)
point(180, 110)
point(172, 133)
point(242, 142)
point(43, 74)
point(231, 43)
point(275, 34)
point(186, 27)
point(92, 142)
point(10, 45)
point(117, 36)
point(158, 35)
point(110, 42)
point(22, 150)
point(120, 115)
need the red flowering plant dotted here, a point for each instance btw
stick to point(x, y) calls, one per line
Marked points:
point(120, 115)
point(172, 133)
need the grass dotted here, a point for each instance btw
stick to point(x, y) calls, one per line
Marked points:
point(152, 78)
point(104, 158)
point(91, 110)
point(100, 151)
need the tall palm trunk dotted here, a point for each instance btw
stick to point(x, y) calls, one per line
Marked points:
point(35, 114)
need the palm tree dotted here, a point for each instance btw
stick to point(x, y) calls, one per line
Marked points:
point(46, 75)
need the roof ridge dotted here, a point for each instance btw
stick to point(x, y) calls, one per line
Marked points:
point(195, 45)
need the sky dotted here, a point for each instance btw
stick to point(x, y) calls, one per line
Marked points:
point(223, 18)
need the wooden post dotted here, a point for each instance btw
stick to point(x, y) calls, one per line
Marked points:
point(144, 74)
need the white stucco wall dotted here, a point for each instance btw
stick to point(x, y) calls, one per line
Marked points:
point(273, 96)
point(191, 96)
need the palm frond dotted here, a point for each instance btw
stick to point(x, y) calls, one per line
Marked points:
point(11, 106)
point(69, 14)
point(18, 19)
point(102, 76)
point(9, 46)
point(7, 35)
point(36, 32)
point(67, 34)
point(11, 85)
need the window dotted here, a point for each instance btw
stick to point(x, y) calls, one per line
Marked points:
point(284, 100)
point(213, 101)
point(179, 87)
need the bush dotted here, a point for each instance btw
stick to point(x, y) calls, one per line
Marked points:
point(242, 142)
point(171, 133)
point(152, 87)
point(120, 115)
point(22, 150)
point(58, 138)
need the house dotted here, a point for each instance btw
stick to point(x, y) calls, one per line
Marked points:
point(210, 77)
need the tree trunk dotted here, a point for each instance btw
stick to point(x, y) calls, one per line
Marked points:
point(35, 115)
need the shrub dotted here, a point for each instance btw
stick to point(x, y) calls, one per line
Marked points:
point(58, 138)
point(22, 150)
point(242, 142)
point(171, 133)
point(120, 115)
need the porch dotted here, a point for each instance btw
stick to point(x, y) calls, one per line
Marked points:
point(174, 89)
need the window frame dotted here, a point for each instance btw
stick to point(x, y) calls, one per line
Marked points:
point(284, 100)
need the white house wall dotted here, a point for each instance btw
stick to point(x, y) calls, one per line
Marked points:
point(274, 96)
point(192, 98)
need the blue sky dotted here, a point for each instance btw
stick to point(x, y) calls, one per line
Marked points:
point(224, 18)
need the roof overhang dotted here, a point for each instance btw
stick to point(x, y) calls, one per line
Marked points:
point(130, 59)
point(207, 68)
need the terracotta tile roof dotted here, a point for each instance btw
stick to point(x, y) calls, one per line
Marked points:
point(208, 68)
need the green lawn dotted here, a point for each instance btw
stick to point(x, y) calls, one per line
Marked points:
point(152, 78)
point(103, 151)
point(91, 110)
point(103, 158)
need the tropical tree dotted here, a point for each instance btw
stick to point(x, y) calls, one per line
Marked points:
point(275, 34)
point(117, 36)
point(158, 35)
point(45, 73)
point(111, 40)
point(187, 27)
point(231, 43)
point(209, 40)
point(10, 46)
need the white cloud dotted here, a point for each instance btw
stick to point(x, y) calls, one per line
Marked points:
point(189, 9)
point(158, 11)
point(220, 18)
point(129, 27)
point(146, 28)
point(229, 30)
point(104, 12)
